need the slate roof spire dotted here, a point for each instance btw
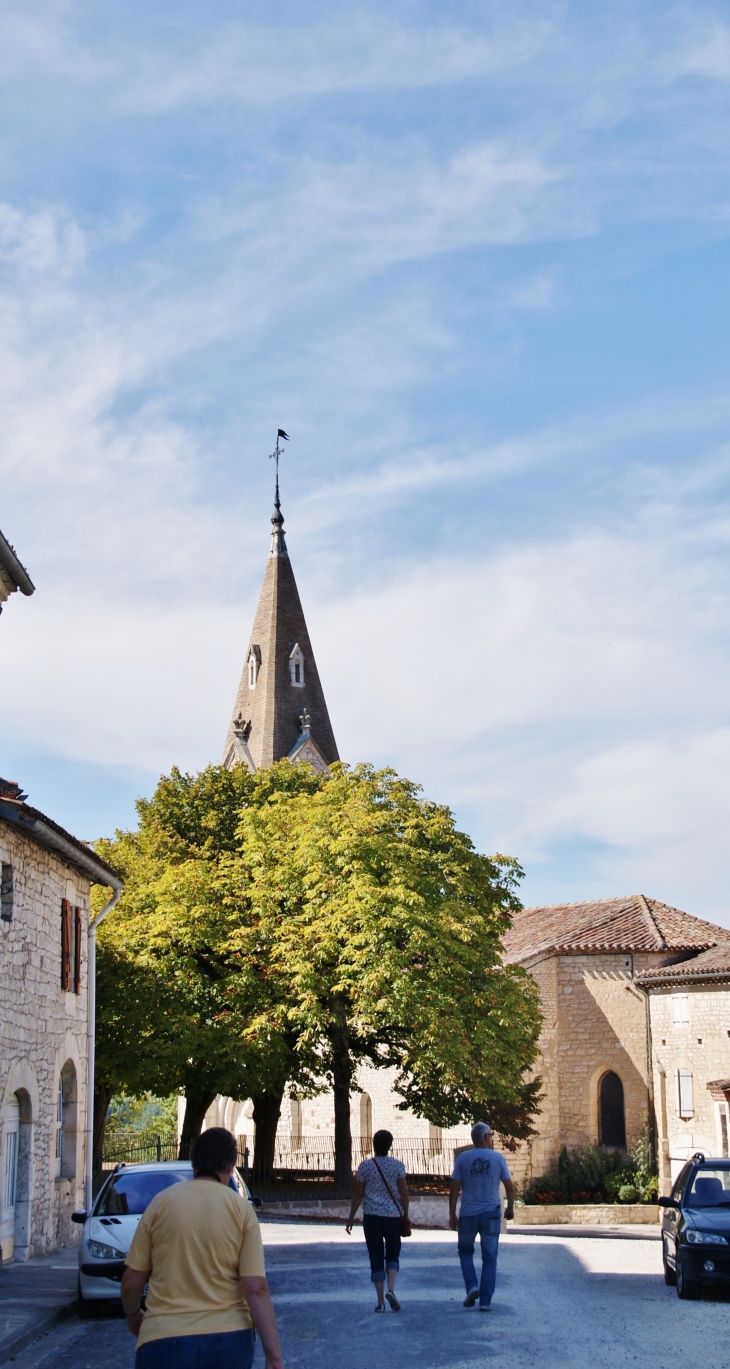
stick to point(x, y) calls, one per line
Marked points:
point(280, 708)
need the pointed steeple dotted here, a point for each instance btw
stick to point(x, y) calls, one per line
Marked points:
point(280, 708)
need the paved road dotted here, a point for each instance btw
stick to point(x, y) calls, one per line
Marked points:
point(561, 1303)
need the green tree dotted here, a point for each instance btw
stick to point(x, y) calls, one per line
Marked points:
point(181, 1006)
point(382, 929)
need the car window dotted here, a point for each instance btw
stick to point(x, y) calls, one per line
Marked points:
point(680, 1182)
point(129, 1194)
point(709, 1188)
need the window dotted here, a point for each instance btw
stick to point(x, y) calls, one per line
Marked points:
point(612, 1123)
point(296, 1122)
point(11, 1167)
point(366, 1117)
point(78, 929)
point(58, 1152)
point(254, 662)
point(72, 928)
point(6, 893)
point(685, 1106)
point(296, 667)
point(723, 1131)
point(680, 1002)
point(65, 944)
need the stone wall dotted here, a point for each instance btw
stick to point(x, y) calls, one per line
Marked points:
point(42, 1037)
point(595, 1021)
point(700, 1045)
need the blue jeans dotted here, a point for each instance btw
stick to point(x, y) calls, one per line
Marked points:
point(224, 1350)
point(485, 1225)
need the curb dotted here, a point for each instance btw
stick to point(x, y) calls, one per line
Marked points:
point(11, 1348)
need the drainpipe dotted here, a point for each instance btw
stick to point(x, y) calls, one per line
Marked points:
point(91, 1041)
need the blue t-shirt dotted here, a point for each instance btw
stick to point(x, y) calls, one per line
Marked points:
point(480, 1171)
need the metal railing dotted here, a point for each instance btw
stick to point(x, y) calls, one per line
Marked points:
point(303, 1167)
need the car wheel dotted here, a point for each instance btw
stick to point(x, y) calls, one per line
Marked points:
point(87, 1308)
point(670, 1276)
point(686, 1288)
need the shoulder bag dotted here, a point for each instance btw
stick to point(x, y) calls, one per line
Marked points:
point(405, 1226)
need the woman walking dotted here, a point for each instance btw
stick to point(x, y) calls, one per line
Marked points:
point(380, 1185)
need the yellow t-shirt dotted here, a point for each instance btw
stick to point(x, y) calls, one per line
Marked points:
point(198, 1239)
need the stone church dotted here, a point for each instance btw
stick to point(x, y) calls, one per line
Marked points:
point(636, 1029)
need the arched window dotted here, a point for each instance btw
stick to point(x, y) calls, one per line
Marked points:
point(366, 1117)
point(254, 661)
point(296, 666)
point(612, 1123)
point(58, 1148)
point(66, 1124)
point(295, 1109)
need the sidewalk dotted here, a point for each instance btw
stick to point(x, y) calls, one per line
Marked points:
point(33, 1296)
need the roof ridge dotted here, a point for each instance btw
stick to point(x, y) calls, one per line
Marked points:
point(656, 929)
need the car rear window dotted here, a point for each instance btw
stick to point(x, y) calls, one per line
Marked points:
point(710, 1188)
point(129, 1194)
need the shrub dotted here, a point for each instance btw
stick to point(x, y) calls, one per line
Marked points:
point(628, 1193)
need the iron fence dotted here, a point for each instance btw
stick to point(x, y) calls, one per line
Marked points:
point(302, 1167)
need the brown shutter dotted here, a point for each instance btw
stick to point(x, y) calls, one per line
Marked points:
point(65, 944)
point(77, 950)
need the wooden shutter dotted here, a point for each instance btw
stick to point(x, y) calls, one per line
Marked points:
point(65, 944)
point(78, 925)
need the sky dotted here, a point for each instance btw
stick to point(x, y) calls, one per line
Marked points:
point(474, 259)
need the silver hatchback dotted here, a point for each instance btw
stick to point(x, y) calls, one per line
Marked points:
point(109, 1228)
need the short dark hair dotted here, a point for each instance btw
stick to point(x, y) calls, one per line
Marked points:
point(382, 1141)
point(214, 1150)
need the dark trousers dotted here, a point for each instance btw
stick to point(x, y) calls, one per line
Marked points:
point(382, 1237)
point(224, 1350)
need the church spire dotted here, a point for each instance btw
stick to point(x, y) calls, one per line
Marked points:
point(280, 708)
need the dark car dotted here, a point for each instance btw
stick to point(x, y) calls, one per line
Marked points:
point(696, 1227)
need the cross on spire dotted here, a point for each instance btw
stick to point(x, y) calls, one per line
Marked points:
point(274, 456)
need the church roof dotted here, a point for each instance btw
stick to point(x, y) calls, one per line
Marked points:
point(280, 697)
point(634, 923)
point(708, 965)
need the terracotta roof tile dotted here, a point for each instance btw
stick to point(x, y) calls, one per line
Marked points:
point(634, 923)
point(711, 964)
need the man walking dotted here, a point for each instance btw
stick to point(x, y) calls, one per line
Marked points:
point(198, 1244)
point(478, 1173)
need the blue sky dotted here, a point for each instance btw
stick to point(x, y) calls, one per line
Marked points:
point(476, 263)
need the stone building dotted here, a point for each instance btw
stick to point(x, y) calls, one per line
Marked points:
point(44, 916)
point(13, 575)
point(689, 1018)
point(596, 964)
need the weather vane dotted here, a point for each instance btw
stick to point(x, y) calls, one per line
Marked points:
point(274, 456)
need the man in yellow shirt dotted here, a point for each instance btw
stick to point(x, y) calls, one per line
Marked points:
point(198, 1244)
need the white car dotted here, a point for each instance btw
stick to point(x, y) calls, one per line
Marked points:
point(108, 1230)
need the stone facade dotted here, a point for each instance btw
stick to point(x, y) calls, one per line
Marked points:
point(42, 1047)
point(44, 919)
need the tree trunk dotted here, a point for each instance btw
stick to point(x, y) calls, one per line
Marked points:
point(266, 1114)
point(102, 1098)
point(339, 1038)
point(197, 1102)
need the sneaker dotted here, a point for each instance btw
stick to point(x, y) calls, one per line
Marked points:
point(485, 1307)
point(380, 1307)
point(393, 1301)
point(471, 1297)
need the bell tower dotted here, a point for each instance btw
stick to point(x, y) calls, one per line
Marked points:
point(280, 708)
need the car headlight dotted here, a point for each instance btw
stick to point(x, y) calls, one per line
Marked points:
point(704, 1238)
point(103, 1252)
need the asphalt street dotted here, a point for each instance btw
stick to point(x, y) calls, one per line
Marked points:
point(560, 1302)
